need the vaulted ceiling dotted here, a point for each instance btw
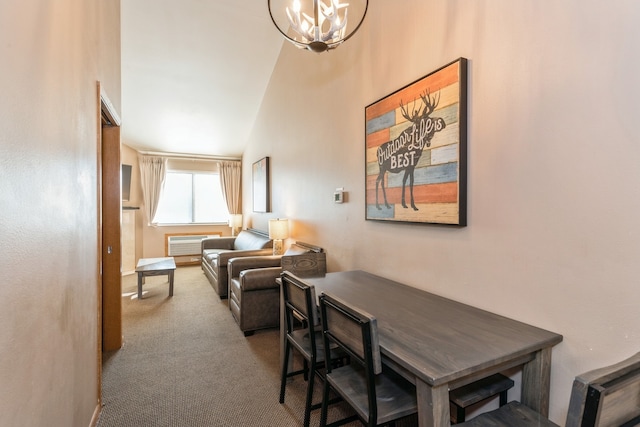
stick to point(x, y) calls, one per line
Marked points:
point(194, 73)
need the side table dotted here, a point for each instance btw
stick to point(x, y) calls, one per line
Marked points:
point(155, 267)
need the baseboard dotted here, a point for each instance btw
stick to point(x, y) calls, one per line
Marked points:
point(182, 264)
point(96, 415)
point(194, 259)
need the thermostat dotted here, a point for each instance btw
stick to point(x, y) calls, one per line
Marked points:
point(338, 195)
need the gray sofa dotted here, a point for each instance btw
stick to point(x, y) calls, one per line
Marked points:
point(254, 295)
point(216, 253)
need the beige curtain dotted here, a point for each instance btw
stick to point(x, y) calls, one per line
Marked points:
point(230, 176)
point(153, 170)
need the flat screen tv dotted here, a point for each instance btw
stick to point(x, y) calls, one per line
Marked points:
point(126, 182)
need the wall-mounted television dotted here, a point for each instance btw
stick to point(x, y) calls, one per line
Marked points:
point(126, 182)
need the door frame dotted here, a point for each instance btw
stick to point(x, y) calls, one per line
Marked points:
point(107, 117)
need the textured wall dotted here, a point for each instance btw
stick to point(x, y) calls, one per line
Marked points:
point(54, 52)
point(553, 238)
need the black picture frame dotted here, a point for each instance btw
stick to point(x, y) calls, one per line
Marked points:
point(416, 151)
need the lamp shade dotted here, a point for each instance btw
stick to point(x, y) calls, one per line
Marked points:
point(317, 25)
point(235, 221)
point(278, 229)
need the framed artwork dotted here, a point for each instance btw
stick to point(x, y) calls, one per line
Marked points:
point(416, 150)
point(260, 176)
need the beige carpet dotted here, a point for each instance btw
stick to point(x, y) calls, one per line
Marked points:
point(186, 363)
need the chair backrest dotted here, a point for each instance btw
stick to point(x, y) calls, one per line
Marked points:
point(352, 329)
point(300, 301)
point(607, 397)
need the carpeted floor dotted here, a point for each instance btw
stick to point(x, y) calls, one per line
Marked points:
point(185, 362)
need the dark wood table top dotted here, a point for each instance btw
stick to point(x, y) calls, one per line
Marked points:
point(437, 339)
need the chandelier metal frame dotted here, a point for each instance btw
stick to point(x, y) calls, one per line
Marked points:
point(309, 29)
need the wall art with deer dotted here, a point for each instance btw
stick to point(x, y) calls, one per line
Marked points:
point(416, 150)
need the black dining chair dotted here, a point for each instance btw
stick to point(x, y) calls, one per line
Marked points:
point(460, 398)
point(302, 334)
point(605, 397)
point(377, 396)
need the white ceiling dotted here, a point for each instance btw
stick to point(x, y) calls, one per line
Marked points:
point(194, 73)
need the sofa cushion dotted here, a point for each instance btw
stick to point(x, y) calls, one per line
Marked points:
point(210, 254)
point(246, 240)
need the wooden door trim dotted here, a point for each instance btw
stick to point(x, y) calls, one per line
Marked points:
point(106, 115)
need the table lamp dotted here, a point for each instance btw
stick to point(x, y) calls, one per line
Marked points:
point(235, 222)
point(278, 231)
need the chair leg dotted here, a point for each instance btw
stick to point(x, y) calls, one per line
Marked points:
point(305, 365)
point(503, 398)
point(309, 402)
point(285, 364)
point(325, 404)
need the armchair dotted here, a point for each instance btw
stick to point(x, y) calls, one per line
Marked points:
point(254, 295)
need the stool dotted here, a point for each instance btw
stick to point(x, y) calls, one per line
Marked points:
point(470, 394)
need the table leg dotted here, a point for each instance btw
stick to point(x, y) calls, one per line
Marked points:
point(536, 382)
point(433, 405)
point(171, 283)
point(139, 285)
point(282, 327)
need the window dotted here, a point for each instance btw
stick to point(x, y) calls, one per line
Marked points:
point(191, 198)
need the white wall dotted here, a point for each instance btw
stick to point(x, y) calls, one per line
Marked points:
point(554, 195)
point(53, 53)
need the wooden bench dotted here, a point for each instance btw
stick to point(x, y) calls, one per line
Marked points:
point(476, 392)
point(604, 397)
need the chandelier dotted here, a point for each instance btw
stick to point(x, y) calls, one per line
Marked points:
point(317, 25)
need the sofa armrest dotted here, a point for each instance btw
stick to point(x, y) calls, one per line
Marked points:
point(224, 257)
point(259, 278)
point(236, 265)
point(217, 243)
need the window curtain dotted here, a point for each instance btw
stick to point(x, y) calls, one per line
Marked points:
point(230, 175)
point(153, 170)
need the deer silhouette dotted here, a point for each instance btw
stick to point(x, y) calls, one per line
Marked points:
point(403, 152)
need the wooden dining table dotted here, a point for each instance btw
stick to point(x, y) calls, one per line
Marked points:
point(441, 344)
